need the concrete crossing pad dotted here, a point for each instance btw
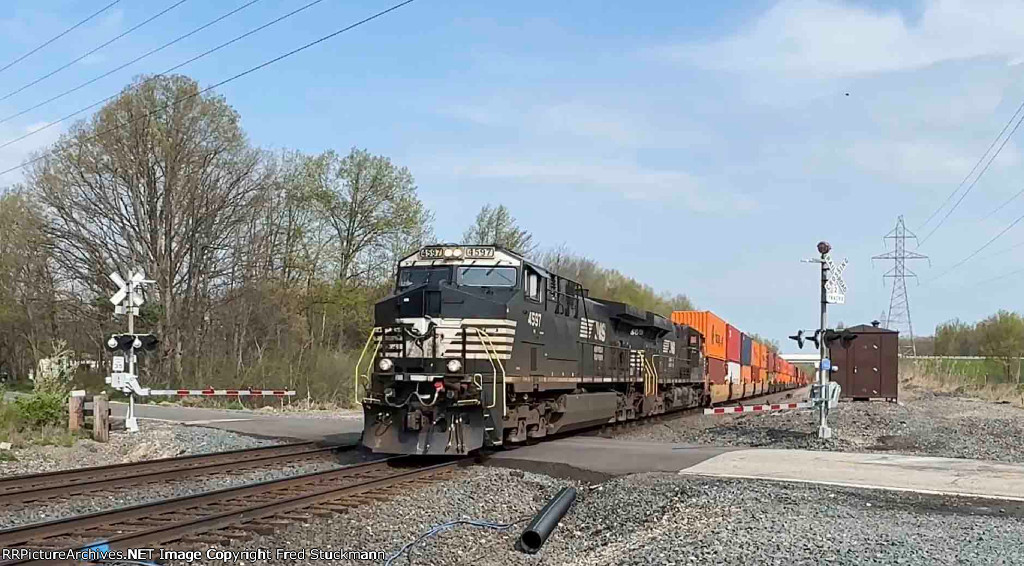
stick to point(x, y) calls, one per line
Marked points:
point(947, 476)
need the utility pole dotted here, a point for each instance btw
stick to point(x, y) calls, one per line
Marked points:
point(898, 317)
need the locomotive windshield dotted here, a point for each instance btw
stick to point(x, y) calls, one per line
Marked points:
point(487, 276)
point(415, 276)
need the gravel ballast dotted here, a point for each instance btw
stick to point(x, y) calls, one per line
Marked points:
point(155, 440)
point(19, 514)
point(667, 519)
point(924, 423)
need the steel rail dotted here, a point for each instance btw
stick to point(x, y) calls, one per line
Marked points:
point(34, 487)
point(170, 520)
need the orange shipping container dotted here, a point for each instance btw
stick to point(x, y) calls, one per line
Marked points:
point(708, 324)
point(755, 354)
point(747, 374)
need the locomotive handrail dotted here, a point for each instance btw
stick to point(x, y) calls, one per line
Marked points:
point(373, 333)
point(485, 340)
point(653, 387)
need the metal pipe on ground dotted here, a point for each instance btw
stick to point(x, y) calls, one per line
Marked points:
point(544, 522)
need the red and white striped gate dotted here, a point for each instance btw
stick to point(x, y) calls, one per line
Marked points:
point(758, 408)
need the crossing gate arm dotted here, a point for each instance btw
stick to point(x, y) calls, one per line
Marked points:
point(222, 392)
point(758, 408)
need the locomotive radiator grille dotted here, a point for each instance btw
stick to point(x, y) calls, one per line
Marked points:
point(445, 339)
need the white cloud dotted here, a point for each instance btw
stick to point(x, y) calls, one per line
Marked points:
point(630, 180)
point(921, 161)
point(828, 38)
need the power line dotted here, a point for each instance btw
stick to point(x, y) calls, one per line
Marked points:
point(172, 69)
point(132, 62)
point(977, 251)
point(976, 165)
point(996, 278)
point(976, 179)
point(1002, 206)
point(94, 50)
point(58, 36)
point(248, 71)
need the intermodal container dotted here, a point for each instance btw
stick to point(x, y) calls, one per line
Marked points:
point(733, 343)
point(770, 358)
point(747, 374)
point(708, 324)
point(718, 371)
point(756, 358)
point(735, 374)
point(746, 350)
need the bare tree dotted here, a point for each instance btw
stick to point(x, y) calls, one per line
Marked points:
point(161, 178)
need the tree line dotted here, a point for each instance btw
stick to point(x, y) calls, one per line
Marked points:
point(267, 263)
point(999, 336)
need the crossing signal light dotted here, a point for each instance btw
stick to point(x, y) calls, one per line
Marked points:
point(128, 342)
point(800, 338)
point(845, 337)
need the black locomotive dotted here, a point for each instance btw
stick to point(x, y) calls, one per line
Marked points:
point(478, 347)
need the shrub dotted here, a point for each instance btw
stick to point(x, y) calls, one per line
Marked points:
point(41, 410)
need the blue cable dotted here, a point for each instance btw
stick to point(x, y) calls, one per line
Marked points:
point(449, 525)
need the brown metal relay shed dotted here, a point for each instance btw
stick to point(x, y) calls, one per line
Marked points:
point(868, 367)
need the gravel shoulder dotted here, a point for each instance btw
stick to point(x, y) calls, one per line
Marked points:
point(924, 423)
point(667, 519)
point(155, 440)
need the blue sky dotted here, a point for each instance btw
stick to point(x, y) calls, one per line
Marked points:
point(700, 147)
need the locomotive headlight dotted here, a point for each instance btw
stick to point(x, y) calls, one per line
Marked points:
point(457, 252)
point(454, 365)
point(448, 252)
point(385, 364)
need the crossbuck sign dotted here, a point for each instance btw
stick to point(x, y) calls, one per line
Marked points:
point(835, 287)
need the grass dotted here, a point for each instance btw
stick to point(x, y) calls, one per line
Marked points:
point(980, 379)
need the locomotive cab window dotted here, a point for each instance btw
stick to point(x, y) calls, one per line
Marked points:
point(533, 288)
point(416, 276)
point(487, 276)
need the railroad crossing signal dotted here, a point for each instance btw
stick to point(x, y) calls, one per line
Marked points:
point(127, 300)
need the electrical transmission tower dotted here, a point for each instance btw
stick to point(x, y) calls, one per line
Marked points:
point(898, 317)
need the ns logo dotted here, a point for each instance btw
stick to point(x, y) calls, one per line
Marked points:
point(593, 329)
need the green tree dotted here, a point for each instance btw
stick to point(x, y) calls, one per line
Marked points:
point(956, 338)
point(374, 212)
point(495, 225)
point(1001, 336)
point(611, 284)
point(161, 178)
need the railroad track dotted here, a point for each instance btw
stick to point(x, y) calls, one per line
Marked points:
point(226, 514)
point(38, 487)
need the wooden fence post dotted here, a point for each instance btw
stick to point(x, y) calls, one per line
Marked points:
point(76, 410)
point(100, 418)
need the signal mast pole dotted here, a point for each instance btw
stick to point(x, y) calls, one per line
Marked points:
point(823, 430)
